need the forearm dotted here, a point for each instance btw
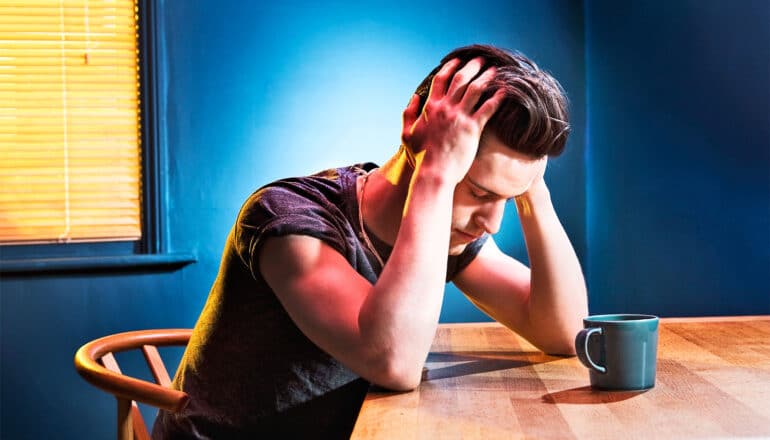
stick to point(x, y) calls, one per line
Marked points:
point(558, 298)
point(401, 312)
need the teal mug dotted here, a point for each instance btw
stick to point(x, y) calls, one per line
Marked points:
point(620, 351)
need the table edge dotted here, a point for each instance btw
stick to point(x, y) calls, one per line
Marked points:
point(673, 319)
point(737, 318)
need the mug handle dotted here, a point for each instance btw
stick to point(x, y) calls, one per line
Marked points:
point(581, 347)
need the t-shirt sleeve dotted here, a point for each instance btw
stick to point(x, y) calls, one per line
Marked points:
point(457, 263)
point(275, 212)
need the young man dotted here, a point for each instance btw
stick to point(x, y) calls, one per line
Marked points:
point(334, 281)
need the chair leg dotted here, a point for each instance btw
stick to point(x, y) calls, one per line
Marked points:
point(125, 427)
point(137, 421)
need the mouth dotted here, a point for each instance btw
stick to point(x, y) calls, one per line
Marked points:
point(464, 236)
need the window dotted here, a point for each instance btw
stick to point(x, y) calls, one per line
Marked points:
point(69, 121)
point(79, 168)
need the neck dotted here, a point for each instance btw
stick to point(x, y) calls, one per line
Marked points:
point(384, 198)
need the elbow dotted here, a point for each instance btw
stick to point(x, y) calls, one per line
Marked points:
point(558, 339)
point(401, 384)
point(397, 374)
point(563, 348)
point(562, 344)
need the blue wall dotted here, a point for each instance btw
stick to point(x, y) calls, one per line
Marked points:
point(670, 109)
point(678, 156)
point(251, 93)
point(264, 92)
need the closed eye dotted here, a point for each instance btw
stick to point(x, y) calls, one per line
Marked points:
point(478, 195)
point(481, 194)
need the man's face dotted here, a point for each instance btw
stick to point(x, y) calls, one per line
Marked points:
point(496, 176)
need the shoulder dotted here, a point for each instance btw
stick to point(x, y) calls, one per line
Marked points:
point(320, 206)
point(329, 189)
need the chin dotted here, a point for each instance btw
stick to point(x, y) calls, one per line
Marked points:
point(457, 249)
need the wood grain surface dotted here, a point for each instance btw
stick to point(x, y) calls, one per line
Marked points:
point(482, 381)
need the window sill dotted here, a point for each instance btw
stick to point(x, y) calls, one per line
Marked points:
point(118, 263)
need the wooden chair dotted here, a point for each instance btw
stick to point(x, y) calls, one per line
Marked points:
point(96, 364)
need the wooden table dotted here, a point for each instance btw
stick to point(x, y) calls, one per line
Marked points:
point(482, 381)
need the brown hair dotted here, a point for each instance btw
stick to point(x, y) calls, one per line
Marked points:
point(533, 118)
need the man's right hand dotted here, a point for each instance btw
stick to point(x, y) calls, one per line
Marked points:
point(445, 135)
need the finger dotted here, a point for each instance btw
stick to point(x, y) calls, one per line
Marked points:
point(475, 89)
point(463, 77)
point(440, 80)
point(411, 112)
point(489, 107)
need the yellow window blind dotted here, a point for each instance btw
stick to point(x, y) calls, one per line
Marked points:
point(70, 167)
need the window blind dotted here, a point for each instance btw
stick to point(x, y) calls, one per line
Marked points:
point(70, 166)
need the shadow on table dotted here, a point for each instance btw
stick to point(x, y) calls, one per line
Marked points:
point(588, 395)
point(474, 362)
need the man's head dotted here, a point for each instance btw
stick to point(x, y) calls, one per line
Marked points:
point(532, 118)
point(530, 125)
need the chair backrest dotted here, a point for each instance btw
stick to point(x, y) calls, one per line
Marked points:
point(97, 365)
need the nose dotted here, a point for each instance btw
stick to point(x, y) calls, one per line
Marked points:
point(489, 216)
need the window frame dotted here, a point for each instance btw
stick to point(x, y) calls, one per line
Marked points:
point(152, 250)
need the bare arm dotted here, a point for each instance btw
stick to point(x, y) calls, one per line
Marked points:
point(383, 331)
point(545, 305)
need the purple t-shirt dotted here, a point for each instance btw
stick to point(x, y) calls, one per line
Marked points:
point(248, 369)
